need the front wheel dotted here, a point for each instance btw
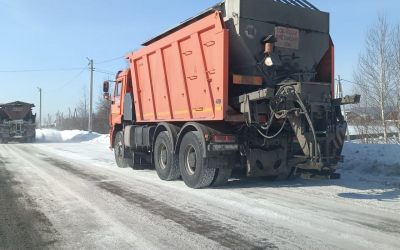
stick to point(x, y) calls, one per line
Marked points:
point(120, 152)
point(194, 168)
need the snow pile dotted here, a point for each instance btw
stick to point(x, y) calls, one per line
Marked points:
point(77, 136)
point(372, 129)
point(373, 160)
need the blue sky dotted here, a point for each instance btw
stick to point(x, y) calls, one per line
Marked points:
point(59, 35)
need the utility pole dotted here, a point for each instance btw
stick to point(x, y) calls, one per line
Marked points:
point(340, 95)
point(40, 108)
point(90, 125)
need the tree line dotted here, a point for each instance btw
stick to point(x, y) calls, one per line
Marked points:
point(78, 116)
point(377, 79)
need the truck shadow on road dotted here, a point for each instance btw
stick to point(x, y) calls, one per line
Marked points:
point(380, 195)
point(359, 188)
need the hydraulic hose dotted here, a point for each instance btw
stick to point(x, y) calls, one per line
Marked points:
point(303, 107)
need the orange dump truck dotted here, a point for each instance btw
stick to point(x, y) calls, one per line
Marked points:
point(244, 84)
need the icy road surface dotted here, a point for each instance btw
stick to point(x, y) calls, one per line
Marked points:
point(72, 196)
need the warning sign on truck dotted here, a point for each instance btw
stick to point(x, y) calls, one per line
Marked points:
point(287, 37)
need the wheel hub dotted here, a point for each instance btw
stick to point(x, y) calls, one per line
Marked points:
point(190, 160)
point(163, 156)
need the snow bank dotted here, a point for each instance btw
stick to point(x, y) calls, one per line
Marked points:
point(372, 129)
point(370, 161)
point(77, 136)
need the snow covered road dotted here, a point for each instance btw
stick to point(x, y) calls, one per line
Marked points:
point(72, 195)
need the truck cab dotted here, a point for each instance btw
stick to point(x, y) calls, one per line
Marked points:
point(121, 89)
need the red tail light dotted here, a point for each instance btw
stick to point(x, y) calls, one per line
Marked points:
point(224, 138)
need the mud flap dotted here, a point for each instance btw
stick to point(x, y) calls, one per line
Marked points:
point(267, 163)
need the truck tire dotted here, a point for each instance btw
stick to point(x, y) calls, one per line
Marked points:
point(222, 176)
point(194, 169)
point(120, 152)
point(164, 158)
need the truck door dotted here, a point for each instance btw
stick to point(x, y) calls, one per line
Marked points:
point(116, 111)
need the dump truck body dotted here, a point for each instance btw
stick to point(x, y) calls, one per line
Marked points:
point(17, 123)
point(183, 77)
point(246, 82)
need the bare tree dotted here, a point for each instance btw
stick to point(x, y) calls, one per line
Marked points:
point(102, 114)
point(82, 112)
point(77, 117)
point(375, 72)
point(48, 121)
point(396, 47)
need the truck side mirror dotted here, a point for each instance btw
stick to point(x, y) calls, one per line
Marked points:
point(106, 86)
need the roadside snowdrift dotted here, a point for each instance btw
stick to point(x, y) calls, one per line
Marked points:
point(76, 136)
point(373, 162)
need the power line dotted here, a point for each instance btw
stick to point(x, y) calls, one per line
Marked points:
point(40, 70)
point(105, 72)
point(57, 69)
point(111, 60)
point(64, 84)
point(344, 80)
point(355, 83)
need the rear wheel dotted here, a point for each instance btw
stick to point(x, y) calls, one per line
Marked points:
point(120, 152)
point(164, 158)
point(194, 168)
